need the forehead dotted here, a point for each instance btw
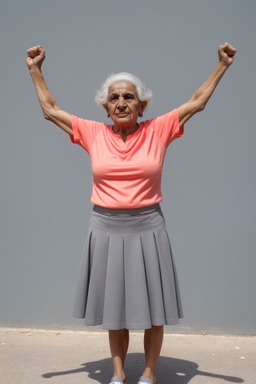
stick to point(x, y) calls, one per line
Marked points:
point(121, 87)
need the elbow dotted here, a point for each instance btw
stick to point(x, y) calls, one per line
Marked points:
point(46, 115)
point(198, 107)
point(201, 107)
point(48, 112)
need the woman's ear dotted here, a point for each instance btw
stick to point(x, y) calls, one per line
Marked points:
point(143, 106)
point(105, 107)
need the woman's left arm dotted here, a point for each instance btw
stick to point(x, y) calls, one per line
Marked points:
point(199, 100)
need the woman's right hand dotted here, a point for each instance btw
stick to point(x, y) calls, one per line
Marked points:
point(36, 56)
point(51, 111)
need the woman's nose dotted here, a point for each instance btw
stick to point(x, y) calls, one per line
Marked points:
point(121, 102)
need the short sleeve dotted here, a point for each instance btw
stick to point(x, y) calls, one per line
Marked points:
point(167, 127)
point(84, 132)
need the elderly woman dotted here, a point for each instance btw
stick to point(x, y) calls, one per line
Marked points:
point(127, 277)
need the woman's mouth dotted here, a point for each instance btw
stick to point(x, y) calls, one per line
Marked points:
point(122, 114)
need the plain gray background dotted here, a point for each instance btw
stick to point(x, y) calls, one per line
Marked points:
point(209, 176)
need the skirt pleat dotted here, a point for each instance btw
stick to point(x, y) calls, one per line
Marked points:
point(127, 277)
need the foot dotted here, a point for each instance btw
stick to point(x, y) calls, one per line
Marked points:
point(117, 380)
point(146, 380)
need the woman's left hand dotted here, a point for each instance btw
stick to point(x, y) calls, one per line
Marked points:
point(226, 54)
point(199, 100)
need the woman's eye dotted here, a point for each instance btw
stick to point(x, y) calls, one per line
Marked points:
point(127, 97)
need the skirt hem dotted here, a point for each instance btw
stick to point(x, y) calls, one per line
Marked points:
point(130, 326)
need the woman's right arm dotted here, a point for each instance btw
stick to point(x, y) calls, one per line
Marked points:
point(51, 110)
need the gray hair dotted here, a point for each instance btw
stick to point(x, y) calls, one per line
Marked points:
point(144, 93)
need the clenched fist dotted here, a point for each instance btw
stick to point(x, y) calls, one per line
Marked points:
point(36, 56)
point(226, 54)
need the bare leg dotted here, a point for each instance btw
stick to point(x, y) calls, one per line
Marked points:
point(119, 342)
point(153, 339)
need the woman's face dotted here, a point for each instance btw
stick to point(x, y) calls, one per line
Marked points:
point(123, 104)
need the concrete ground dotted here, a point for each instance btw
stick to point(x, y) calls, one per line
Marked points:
point(31, 356)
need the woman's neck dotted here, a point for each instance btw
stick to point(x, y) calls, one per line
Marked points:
point(125, 131)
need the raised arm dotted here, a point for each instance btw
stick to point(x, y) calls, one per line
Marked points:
point(51, 110)
point(199, 100)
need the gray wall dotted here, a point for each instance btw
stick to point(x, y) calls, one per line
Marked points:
point(209, 176)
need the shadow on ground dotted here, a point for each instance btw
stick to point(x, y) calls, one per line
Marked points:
point(169, 370)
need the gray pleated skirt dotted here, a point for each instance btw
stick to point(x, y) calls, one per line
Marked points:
point(127, 276)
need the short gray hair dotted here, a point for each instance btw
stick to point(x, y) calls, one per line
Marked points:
point(144, 93)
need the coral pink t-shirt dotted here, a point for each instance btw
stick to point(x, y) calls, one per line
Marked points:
point(127, 174)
